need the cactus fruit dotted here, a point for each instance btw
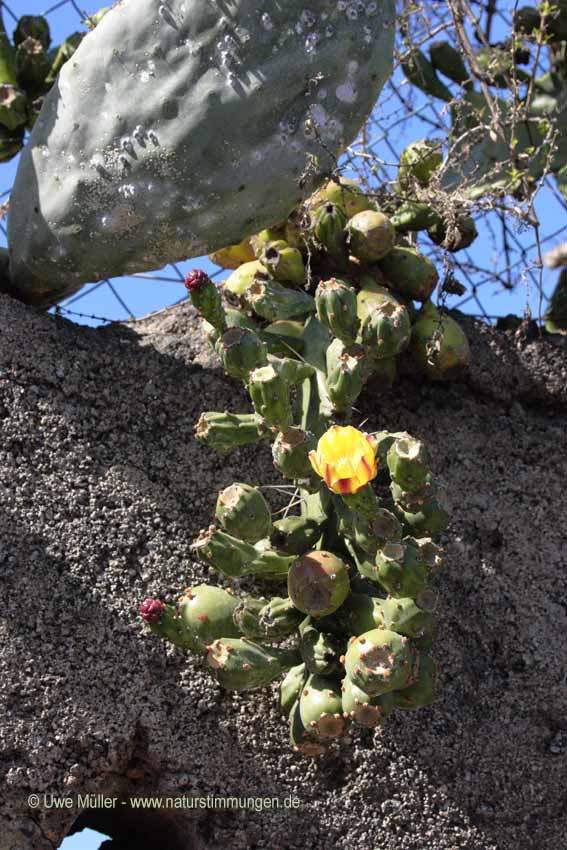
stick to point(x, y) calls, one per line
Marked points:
point(320, 707)
point(224, 553)
point(13, 107)
point(272, 621)
point(165, 622)
point(318, 583)
point(233, 256)
point(454, 237)
point(414, 216)
point(245, 123)
point(32, 65)
point(401, 569)
point(419, 161)
point(295, 535)
point(270, 397)
point(208, 612)
point(448, 62)
point(241, 665)
point(291, 451)
point(225, 432)
point(291, 687)
point(344, 374)
point(239, 282)
point(320, 651)
point(425, 516)
point(386, 331)
point(33, 26)
point(301, 741)
point(379, 661)
point(410, 273)
point(370, 534)
point(328, 227)
point(422, 74)
point(241, 351)
point(365, 710)
point(344, 192)
point(336, 309)
point(439, 347)
point(283, 262)
point(206, 298)
point(370, 236)
point(409, 463)
point(421, 692)
point(273, 301)
point(293, 372)
point(243, 511)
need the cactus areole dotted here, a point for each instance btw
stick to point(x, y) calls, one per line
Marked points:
point(179, 128)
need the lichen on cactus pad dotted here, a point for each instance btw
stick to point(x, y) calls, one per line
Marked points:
point(178, 128)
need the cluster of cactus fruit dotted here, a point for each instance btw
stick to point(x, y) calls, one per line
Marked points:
point(315, 308)
point(29, 66)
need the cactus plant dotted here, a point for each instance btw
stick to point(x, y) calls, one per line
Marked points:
point(193, 188)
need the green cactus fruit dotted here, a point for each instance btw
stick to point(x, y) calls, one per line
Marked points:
point(321, 651)
point(423, 690)
point(293, 372)
point(32, 26)
point(233, 256)
point(273, 301)
point(291, 687)
point(379, 661)
point(401, 569)
point(344, 192)
point(165, 622)
point(370, 236)
point(225, 432)
point(64, 53)
point(365, 710)
point(295, 535)
point(386, 331)
point(7, 56)
point(284, 338)
point(344, 374)
point(224, 552)
point(302, 742)
point(328, 227)
point(455, 237)
point(243, 511)
point(283, 262)
point(270, 397)
point(241, 351)
point(370, 534)
point(318, 583)
point(414, 618)
point(13, 107)
point(448, 62)
point(207, 612)
point(371, 296)
point(421, 74)
point(555, 316)
point(239, 282)
point(320, 707)
point(419, 161)
point(206, 298)
point(336, 309)
point(290, 452)
point(271, 621)
point(409, 463)
point(411, 274)
point(270, 234)
point(439, 347)
point(207, 167)
point(32, 66)
point(11, 143)
point(428, 516)
point(414, 216)
point(241, 665)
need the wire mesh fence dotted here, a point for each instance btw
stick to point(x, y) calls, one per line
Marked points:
point(503, 271)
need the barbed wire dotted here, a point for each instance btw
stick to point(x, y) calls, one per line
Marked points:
point(508, 253)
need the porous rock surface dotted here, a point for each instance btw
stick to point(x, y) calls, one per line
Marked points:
point(103, 488)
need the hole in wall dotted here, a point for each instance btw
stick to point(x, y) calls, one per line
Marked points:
point(127, 829)
point(87, 839)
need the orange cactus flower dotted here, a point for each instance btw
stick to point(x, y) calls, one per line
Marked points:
point(345, 459)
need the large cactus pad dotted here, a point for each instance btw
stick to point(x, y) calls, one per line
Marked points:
point(179, 127)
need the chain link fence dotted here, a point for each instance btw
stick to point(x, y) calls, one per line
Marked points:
point(503, 270)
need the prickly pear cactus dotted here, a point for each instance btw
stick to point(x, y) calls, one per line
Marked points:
point(353, 570)
point(181, 126)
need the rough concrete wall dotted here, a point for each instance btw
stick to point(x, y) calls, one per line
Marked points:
point(103, 488)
